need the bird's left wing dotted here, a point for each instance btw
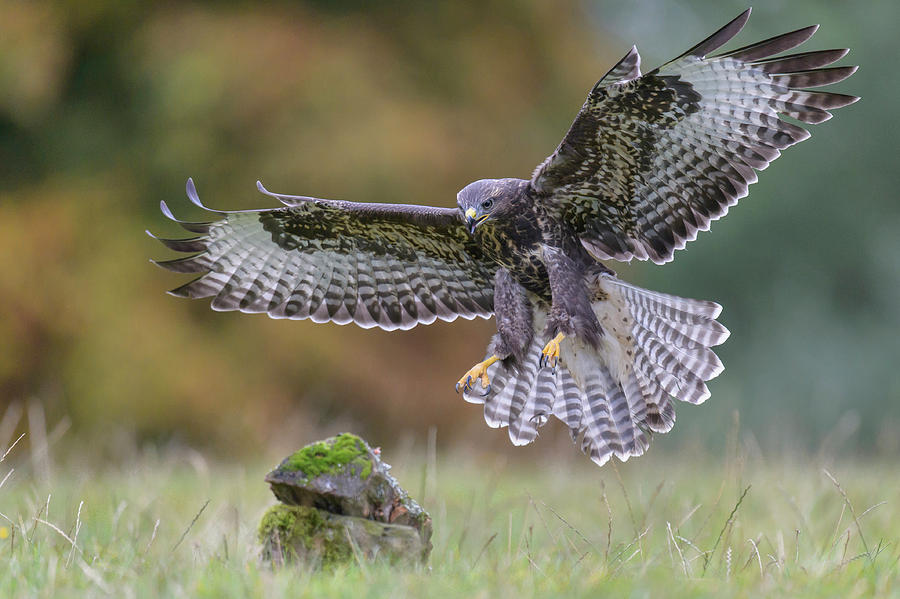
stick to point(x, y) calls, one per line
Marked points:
point(650, 160)
point(385, 265)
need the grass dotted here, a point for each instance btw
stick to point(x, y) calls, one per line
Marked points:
point(171, 523)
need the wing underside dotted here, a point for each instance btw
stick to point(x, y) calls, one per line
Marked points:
point(390, 266)
point(651, 160)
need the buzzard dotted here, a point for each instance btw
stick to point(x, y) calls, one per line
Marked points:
point(649, 161)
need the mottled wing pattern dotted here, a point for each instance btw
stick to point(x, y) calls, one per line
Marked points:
point(651, 160)
point(391, 266)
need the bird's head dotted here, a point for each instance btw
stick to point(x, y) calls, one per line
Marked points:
point(487, 200)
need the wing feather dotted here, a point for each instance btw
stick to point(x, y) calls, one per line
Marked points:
point(385, 265)
point(625, 70)
point(651, 160)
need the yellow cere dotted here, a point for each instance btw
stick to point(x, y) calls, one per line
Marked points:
point(471, 213)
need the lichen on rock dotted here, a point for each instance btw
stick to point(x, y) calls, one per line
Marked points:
point(340, 503)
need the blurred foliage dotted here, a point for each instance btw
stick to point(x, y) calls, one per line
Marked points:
point(107, 107)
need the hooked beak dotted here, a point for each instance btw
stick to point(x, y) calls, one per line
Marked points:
point(473, 220)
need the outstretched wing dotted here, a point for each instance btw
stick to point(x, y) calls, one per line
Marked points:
point(650, 160)
point(385, 265)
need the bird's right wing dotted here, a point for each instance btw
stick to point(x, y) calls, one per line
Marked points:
point(385, 265)
point(652, 159)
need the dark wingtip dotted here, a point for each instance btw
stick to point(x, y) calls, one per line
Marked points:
point(628, 67)
point(188, 264)
point(195, 244)
point(202, 227)
point(287, 200)
point(773, 45)
point(720, 37)
point(164, 208)
point(192, 194)
point(803, 61)
point(262, 189)
point(831, 100)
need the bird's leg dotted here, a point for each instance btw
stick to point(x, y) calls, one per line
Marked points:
point(479, 371)
point(550, 353)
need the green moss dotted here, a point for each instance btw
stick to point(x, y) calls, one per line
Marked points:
point(307, 532)
point(278, 518)
point(331, 455)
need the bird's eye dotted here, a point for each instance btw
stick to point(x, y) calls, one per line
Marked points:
point(487, 204)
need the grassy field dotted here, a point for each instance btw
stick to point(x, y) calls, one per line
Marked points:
point(171, 523)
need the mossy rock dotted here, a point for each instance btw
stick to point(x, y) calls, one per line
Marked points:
point(340, 489)
point(343, 475)
point(299, 533)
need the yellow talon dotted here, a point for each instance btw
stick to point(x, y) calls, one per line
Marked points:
point(550, 353)
point(479, 371)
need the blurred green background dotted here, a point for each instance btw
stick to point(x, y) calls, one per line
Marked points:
point(107, 107)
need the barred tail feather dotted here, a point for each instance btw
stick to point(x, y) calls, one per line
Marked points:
point(655, 347)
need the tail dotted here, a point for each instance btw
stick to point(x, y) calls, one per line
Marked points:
point(656, 347)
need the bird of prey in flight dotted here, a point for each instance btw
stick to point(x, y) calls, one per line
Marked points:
point(648, 162)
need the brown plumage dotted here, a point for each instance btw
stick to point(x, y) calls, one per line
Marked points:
point(649, 161)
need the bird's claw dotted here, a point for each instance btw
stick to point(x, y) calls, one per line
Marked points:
point(466, 384)
point(476, 373)
point(545, 361)
point(550, 353)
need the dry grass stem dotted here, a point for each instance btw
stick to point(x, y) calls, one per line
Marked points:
point(190, 526)
point(850, 507)
point(728, 521)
